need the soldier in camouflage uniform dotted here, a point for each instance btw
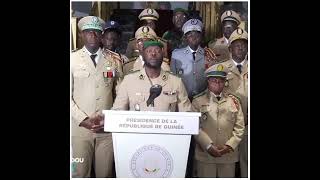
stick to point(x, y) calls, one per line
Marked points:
point(175, 36)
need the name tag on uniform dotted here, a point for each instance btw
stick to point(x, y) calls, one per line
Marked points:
point(170, 93)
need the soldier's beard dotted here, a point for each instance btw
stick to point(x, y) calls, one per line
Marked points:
point(155, 64)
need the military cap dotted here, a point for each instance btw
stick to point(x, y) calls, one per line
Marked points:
point(149, 14)
point(91, 22)
point(180, 10)
point(230, 16)
point(217, 70)
point(112, 25)
point(238, 34)
point(145, 32)
point(152, 43)
point(192, 25)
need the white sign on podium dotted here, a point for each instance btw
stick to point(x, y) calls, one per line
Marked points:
point(151, 144)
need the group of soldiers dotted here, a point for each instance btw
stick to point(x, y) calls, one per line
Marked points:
point(211, 80)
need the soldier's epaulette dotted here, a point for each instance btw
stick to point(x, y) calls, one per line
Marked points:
point(177, 50)
point(235, 99)
point(111, 52)
point(222, 61)
point(131, 39)
point(200, 94)
point(130, 60)
point(117, 58)
point(131, 72)
point(172, 74)
point(113, 55)
point(74, 50)
point(233, 95)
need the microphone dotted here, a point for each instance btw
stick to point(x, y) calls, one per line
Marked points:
point(155, 91)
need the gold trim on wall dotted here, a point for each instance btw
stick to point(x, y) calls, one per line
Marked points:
point(209, 11)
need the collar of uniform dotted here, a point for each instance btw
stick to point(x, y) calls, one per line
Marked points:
point(144, 73)
point(140, 58)
point(242, 63)
point(201, 50)
point(191, 50)
point(233, 66)
point(89, 53)
point(98, 53)
point(215, 94)
point(211, 95)
point(226, 39)
point(224, 96)
point(245, 66)
point(188, 50)
point(230, 64)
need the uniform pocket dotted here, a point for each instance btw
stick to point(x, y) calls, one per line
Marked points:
point(138, 97)
point(231, 117)
point(204, 110)
point(108, 81)
point(137, 101)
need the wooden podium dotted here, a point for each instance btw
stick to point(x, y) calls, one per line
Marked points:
point(151, 144)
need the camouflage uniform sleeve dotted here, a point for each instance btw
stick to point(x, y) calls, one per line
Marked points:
point(184, 104)
point(166, 35)
point(238, 129)
point(122, 99)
